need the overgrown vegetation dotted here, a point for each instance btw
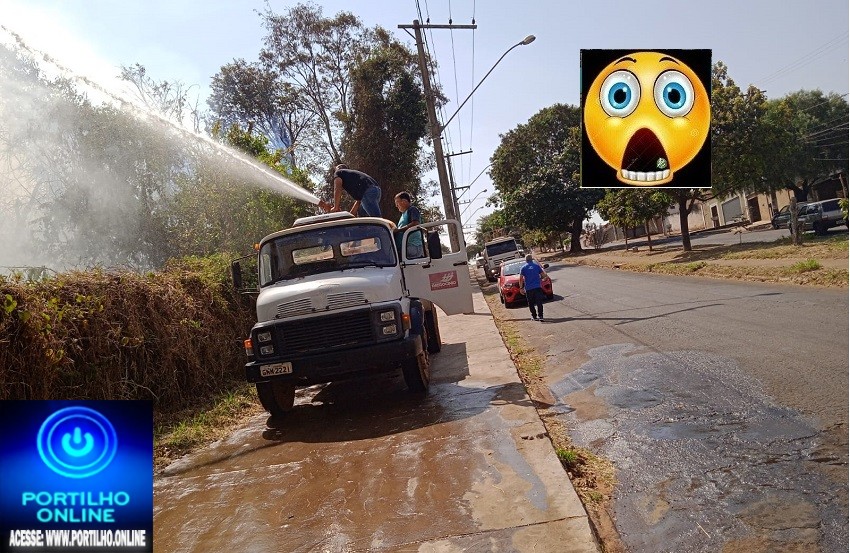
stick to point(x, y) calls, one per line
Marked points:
point(173, 336)
point(213, 418)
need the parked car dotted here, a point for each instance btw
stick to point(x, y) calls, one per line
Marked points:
point(821, 216)
point(782, 218)
point(509, 290)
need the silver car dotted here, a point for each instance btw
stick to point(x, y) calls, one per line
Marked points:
point(821, 216)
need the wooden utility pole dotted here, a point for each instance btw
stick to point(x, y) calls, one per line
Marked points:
point(436, 127)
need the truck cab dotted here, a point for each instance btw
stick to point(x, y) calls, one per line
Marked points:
point(498, 250)
point(342, 297)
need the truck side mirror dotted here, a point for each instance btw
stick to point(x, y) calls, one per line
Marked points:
point(435, 251)
point(236, 273)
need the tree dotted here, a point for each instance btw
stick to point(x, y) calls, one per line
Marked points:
point(738, 135)
point(170, 99)
point(738, 144)
point(628, 208)
point(536, 171)
point(315, 55)
point(387, 120)
point(493, 226)
point(256, 98)
point(807, 140)
point(215, 209)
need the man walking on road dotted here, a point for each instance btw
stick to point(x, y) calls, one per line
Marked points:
point(360, 186)
point(530, 280)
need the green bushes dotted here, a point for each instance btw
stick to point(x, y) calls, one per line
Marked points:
point(172, 336)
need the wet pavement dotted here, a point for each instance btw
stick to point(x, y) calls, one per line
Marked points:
point(722, 405)
point(365, 465)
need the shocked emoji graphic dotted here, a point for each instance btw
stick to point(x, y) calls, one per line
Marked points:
point(647, 115)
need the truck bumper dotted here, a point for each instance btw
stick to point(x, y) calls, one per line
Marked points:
point(342, 364)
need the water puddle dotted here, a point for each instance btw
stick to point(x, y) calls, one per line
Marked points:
point(706, 460)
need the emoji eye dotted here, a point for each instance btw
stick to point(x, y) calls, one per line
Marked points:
point(620, 94)
point(674, 94)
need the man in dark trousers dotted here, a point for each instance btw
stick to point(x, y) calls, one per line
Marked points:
point(361, 187)
point(530, 279)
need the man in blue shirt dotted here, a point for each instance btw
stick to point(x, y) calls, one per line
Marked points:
point(530, 277)
point(410, 217)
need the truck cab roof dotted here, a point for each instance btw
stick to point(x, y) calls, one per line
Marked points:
point(324, 217)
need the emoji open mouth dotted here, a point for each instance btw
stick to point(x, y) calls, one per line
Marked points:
point(645, 159)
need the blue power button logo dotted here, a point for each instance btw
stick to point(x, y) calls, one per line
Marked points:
point(77, 442)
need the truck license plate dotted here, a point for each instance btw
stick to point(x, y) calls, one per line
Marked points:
point(276, 369)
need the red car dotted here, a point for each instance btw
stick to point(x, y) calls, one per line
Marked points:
point(509, 290)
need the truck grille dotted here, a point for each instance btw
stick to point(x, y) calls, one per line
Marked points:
point(321, 333)
point(347, 299)
point(305, 306)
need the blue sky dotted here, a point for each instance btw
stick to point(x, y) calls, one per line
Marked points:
point(779, 46)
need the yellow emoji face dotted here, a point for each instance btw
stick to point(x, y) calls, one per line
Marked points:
point(647, 115)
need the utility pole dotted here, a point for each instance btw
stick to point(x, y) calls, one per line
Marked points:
point(436, 128)
point(455, 205)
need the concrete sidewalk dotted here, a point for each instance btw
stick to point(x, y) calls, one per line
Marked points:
point(540, 511)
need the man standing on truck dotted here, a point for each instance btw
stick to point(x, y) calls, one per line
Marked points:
point(360, 186)
point(530, 279)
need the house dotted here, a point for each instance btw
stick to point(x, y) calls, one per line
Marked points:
point(757, 208)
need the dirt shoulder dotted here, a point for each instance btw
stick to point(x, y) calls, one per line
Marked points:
point(819, 262)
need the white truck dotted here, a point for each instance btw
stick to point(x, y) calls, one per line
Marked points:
point(498, 250)
point(339, 297)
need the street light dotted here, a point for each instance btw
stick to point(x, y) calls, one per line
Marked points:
point(472, 215)
point(527, 40)
point(469, 203)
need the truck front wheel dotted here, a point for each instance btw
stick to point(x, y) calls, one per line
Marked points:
point(435, 343)
point(276, 397)
point(417, 371)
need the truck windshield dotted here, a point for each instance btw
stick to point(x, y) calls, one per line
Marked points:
point(325, 250)
point(501, 247)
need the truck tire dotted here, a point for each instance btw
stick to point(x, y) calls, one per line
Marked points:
point(276, 397)
point(432, 326)
point(417, 371)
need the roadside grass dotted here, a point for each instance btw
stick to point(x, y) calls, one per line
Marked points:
point(777, 261)
point(831, 247)
point(592, 476)
point(200, 425)
point(805, 266)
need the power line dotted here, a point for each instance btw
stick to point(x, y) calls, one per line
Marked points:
point(806, 59)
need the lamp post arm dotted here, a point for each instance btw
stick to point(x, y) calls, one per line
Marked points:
point(527, 40)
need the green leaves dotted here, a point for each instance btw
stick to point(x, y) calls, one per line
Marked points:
point(9, 304)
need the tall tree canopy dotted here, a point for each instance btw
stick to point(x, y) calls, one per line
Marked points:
point(315, 55)
point(806, 140)
point(387, 120)
point(536, 171)
point(258, 100)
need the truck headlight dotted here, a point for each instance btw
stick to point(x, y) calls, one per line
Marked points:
point(389, 330)
point(264, 337)
point(387, 316)
point(266, 350)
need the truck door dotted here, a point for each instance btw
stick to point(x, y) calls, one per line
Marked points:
point(443, 279)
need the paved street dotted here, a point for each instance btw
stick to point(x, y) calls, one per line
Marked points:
point(722, 404)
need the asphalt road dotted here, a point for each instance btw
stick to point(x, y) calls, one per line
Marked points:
point(722, 404)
